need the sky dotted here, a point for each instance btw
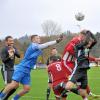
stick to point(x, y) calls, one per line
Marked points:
point(20, 17)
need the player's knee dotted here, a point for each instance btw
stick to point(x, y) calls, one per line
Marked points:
point(27, 88)
point(69, 85)
point(14, 85)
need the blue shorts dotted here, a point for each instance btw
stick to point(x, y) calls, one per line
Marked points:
point(21, 77)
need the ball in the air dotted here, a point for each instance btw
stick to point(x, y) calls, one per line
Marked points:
point(79, 16)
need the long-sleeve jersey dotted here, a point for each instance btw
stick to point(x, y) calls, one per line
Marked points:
point(31, 55)
point(82, 55)
point(69, 54)
point(7, 61)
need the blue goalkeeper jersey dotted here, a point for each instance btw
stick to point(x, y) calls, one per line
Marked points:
point(30, 58)
point(31, 55)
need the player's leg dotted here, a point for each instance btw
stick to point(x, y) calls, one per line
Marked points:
point(48, 89)
point(69, 85)
point(9, 79)
point(26, 86)
point(64, 96)
point(77, 76)
point(58, 93)
point(8, 88)
point(26, 89)
point(72, 80)
point(84, 83)
point(4, 75)
point(83, 93)
point(16, 78)
point(92, 95)
point(58, 98)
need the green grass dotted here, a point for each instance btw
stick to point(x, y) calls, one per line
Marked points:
point(39, 85)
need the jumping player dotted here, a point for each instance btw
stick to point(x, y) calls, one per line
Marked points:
point(69, 52)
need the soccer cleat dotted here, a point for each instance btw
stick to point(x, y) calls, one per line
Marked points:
point(93, 96)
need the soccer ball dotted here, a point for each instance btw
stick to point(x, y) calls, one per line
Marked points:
point(79, 16)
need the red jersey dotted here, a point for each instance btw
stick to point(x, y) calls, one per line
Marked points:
point(68, 57)
point(57, 73)
point(70, 46)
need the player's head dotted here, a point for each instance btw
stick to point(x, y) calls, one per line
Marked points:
point(35, 38)
point(89, 38)
point(54, 51)
point(9, 41)
point(54, 59)
point(90, 43)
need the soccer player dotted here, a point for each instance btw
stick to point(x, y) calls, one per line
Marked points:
point(23, 69)
point(57, 75)
point(69, 57)
point(54, 53)
point(8, 54)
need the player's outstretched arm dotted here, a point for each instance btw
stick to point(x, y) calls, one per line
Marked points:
point(47, 44)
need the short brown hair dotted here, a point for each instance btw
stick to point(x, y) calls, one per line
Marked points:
point(6, 38)
point(33, 36)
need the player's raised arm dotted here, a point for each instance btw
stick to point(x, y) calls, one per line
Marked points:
point(45, 45)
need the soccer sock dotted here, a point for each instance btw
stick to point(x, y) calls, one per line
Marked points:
point(9, 94)
point(16, 97)
point(48, 93)
point(75, 90)
point(64, 92)
point(2, 95)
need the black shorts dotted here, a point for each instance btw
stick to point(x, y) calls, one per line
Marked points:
point(7, 75)
point(80, 76)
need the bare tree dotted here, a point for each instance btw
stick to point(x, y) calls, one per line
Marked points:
point(51, 28)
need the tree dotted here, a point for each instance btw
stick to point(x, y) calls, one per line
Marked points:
point(51, 28)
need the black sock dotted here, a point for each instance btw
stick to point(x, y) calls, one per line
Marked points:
point(64, 93)
point(1, 90)
point(75, 90)
point(9, 94)
point(48, 93)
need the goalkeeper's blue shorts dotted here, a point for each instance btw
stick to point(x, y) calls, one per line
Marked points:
point(21, 77)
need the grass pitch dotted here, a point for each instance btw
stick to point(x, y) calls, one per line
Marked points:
point(39, 85)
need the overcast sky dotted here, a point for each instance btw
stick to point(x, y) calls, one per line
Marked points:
point(20, 17)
